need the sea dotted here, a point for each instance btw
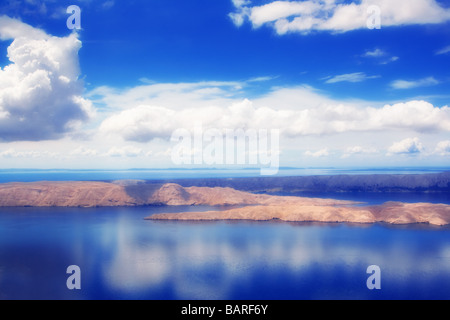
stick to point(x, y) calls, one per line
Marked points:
point(122, 256)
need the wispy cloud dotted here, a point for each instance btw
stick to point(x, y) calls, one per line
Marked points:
point(389, 60)
point(108, 4)
point(13, 153)
point(24, 7)
point(83, 151)
point(318, 154)
point(443, 50)
point(261, 79)
point(379, 55)
point(376, 53)
point(358, 150)
point(126, 151)
point(350, 77)
point(407, 84)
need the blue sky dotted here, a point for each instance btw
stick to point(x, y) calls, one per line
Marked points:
point(189, 41)
point(191, 56)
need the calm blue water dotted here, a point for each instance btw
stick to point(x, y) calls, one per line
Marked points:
point(122, 256)
point(29, 175)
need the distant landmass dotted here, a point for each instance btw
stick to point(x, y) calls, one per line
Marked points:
point(432, 182)
point(246, 205)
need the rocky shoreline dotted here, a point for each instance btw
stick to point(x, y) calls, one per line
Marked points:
point(251, 206)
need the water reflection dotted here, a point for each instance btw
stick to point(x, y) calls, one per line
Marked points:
point(124, 257)
point(211, 265)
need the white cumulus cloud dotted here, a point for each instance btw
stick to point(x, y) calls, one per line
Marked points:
point(407, 146)
point(295, 112)
point(443, 148)
point(337, 16)
point(40, 93)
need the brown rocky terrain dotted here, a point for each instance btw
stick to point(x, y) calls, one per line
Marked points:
point(393, 213)
point(132, 193)
point(63, 194)
point(258, 207)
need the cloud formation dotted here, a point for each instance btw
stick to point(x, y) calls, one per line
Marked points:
point(318, 154)
point(358, 150)
point(443, 148)
point(376, 53)
point(380, 55)
point(84, 152)
point(336, 16)
point(40, 93)
point(409, 146)
point(406, 84)
point(295, 112)
point(443, 50)
point(32, 154)
point(350, 77)
point(126, 151)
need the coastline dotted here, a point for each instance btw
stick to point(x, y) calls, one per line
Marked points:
point(232, 204)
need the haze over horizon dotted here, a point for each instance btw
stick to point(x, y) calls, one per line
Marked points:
point(111, 94)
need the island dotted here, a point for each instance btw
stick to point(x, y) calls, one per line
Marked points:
point(231, 204)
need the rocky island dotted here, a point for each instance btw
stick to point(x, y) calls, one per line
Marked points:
point(231, 204)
